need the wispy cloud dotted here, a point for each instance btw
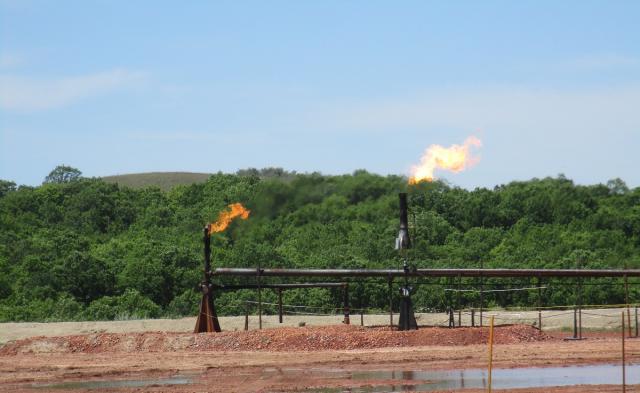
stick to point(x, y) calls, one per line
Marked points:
point(188, 136)
point(28, 94)
point(602, 62)
point(507, 107)
point(213, 137)
point(10, 60)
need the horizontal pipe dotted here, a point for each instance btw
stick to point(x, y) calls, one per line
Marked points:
point(390, 273)
point(282, 286)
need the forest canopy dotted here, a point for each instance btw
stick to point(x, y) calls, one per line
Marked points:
point(79, 248)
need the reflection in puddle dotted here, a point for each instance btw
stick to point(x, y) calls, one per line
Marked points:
point(129, 383)
point(477, 378)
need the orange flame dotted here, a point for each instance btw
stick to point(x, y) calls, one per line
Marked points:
point(455, 159)
point(225, 217)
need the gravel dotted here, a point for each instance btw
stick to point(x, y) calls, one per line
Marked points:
point(308, 338)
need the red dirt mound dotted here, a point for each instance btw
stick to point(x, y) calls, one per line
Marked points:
point(278, 339)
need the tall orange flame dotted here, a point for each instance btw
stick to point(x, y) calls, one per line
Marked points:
point(455, 159)
point(225, 217)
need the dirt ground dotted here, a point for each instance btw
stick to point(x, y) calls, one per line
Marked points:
point(288, 359)
point(600, 319)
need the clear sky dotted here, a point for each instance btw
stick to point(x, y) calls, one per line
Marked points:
point(134, 86)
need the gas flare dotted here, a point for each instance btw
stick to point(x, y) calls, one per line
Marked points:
point(455, 159)
point(225, 217)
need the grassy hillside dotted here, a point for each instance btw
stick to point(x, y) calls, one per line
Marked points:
point(168, 180)
point(164, 180)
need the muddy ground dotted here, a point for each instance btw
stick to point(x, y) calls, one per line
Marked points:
point(291, 359)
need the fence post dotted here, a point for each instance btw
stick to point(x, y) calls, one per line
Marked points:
point(280, 305)
point(540, 303)
point(361, 317)
point(580, 322)
point(580, 306)
point(459, 303)
point(626, 300)
point(490, 351)
point(390, 301)
point(246, 317)
point(636, 321)
point(575, 322)
point(259, 279)
point(624, 379)
point(345, 289)
point(473, 317)
point(481, 293)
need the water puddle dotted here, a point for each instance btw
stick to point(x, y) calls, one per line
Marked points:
point(119, 383)
point(533, 377)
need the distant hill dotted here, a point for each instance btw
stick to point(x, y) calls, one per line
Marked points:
point(164, 180)
point(168, 180)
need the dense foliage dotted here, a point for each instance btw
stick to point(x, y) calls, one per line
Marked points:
point(78, 248)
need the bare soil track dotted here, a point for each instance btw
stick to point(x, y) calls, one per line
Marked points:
point(291, 359)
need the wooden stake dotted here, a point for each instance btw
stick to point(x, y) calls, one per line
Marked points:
point(246, 317)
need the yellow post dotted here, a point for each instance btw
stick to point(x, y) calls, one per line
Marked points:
point(624, 380)
point(491, 350)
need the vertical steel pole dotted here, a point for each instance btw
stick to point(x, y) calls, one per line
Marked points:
point(490, 351)
point(459, 305)
point(636, 308)
point(579, 300)
point(390, 302)
point(580, 308)
point(626, 301)
point(473, 317)
point(540, 303)
point(280, 305)
point(361, 317)
point(575, 322)
point(624, 376)
point(259, 278)
point(345, 290)
point(481, 292)
point(452, 321)
point(207, 320)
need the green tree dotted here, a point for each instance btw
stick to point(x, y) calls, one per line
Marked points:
point(63, 174)
point(6, 187)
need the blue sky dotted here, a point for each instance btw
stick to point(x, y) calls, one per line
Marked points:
point(332, 86)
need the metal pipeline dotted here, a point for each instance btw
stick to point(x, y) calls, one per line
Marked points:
point(403, 241)
point(224, 287)
point(390, 273)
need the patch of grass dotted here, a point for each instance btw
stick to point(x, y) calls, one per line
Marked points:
point(164, 180)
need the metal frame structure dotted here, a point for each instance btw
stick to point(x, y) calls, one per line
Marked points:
point(208, 321)
point(390, 275)
point(394, 273)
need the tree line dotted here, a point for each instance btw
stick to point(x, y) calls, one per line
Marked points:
point(78, 248)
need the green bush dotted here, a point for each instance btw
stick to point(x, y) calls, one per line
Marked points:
point(130, 305)
point(185, 304)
